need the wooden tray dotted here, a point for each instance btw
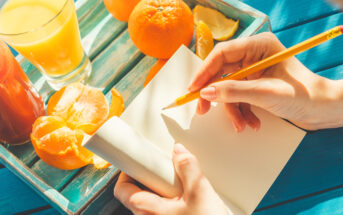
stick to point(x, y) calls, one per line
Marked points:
point(116, 63)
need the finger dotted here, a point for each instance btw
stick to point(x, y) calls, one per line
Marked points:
point(256, 75)
point(234, 114)
point(225, 52)
point(249, 117)
point(141, 201)
point(125, 188)
point(256, 92)
point(232, 68)
point(248, 50)
point(203, 106)
point(187, 168)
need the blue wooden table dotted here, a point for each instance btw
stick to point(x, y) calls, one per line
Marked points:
point(312, 181)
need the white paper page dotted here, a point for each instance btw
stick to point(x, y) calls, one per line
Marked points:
point(241, 167)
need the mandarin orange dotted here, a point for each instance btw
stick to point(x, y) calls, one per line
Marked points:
point(121, 9)
point(74, 111)
point(159, 27)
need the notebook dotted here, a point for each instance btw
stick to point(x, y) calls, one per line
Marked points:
point(240, 166)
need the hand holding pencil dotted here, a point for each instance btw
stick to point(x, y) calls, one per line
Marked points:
point(287, 89)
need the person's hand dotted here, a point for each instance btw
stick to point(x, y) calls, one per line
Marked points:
point(287, 89)
point(198, 197)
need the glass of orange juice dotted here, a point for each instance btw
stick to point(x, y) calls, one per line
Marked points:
point(46, 32)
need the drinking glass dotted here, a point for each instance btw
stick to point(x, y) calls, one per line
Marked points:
point(46, 32)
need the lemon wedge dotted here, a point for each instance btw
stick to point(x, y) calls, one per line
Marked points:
point(204, 40)
point(222, 28)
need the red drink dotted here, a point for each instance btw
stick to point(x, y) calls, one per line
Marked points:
point(20, 104)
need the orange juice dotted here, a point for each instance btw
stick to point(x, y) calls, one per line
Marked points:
point(46, 32)
point(57, 49)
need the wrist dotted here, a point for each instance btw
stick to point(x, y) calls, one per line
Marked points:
point(329, 102)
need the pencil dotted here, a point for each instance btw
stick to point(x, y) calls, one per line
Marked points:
point(267, 62)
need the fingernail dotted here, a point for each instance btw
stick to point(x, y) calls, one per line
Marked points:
point(208, 93)
point(179, 149)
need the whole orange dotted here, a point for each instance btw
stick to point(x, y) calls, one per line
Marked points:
point(120, 9)
point(159, 27)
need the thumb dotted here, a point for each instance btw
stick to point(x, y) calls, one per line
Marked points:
point(187, 168)
point(256, 92)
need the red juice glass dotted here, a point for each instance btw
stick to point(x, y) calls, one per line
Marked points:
point(20, 104)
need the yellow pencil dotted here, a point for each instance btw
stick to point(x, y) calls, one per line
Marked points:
point(267, 62)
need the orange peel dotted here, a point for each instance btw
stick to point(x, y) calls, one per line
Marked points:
point(74, 111)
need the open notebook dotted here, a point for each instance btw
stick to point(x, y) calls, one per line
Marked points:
point(241, 167)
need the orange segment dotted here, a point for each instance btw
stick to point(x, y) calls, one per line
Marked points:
point(100, 163)
point(74, 110)
point(204, 40)
point(117, 104)
point(46, 124)
point(82, 107)
point(63, 99)
point(58, 145)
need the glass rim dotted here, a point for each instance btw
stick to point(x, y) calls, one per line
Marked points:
point(39, 27)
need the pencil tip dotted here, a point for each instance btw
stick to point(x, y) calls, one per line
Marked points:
point(170, 106)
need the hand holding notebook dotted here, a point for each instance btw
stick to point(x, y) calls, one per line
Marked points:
point(240, 166)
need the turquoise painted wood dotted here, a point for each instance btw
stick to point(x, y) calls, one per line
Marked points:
point(285, 14)
point(298, 34)
point(327, 202)
point(22, 198)
point(50, 211)
point(116, 62)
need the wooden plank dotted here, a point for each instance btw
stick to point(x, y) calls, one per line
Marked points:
point(326, 202)
point(15, 195)
point(85, 8)
point(89, 182)
point(105, 203)
point(28, 177)
point(317, 164)
point(326, 55)
point(50, 211)
point(25, 152)
point(60, 177)
point(285, 14)
point(334, 73)
point(114, 62)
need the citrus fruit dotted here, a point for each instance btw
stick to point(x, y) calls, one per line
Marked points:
point(222, 28)
point(204, 40)
point(74, 111)
point(159, 27)
point(120, 9)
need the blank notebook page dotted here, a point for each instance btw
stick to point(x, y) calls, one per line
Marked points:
point(240, 166)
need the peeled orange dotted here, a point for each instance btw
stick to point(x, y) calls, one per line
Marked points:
point(73, 111)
